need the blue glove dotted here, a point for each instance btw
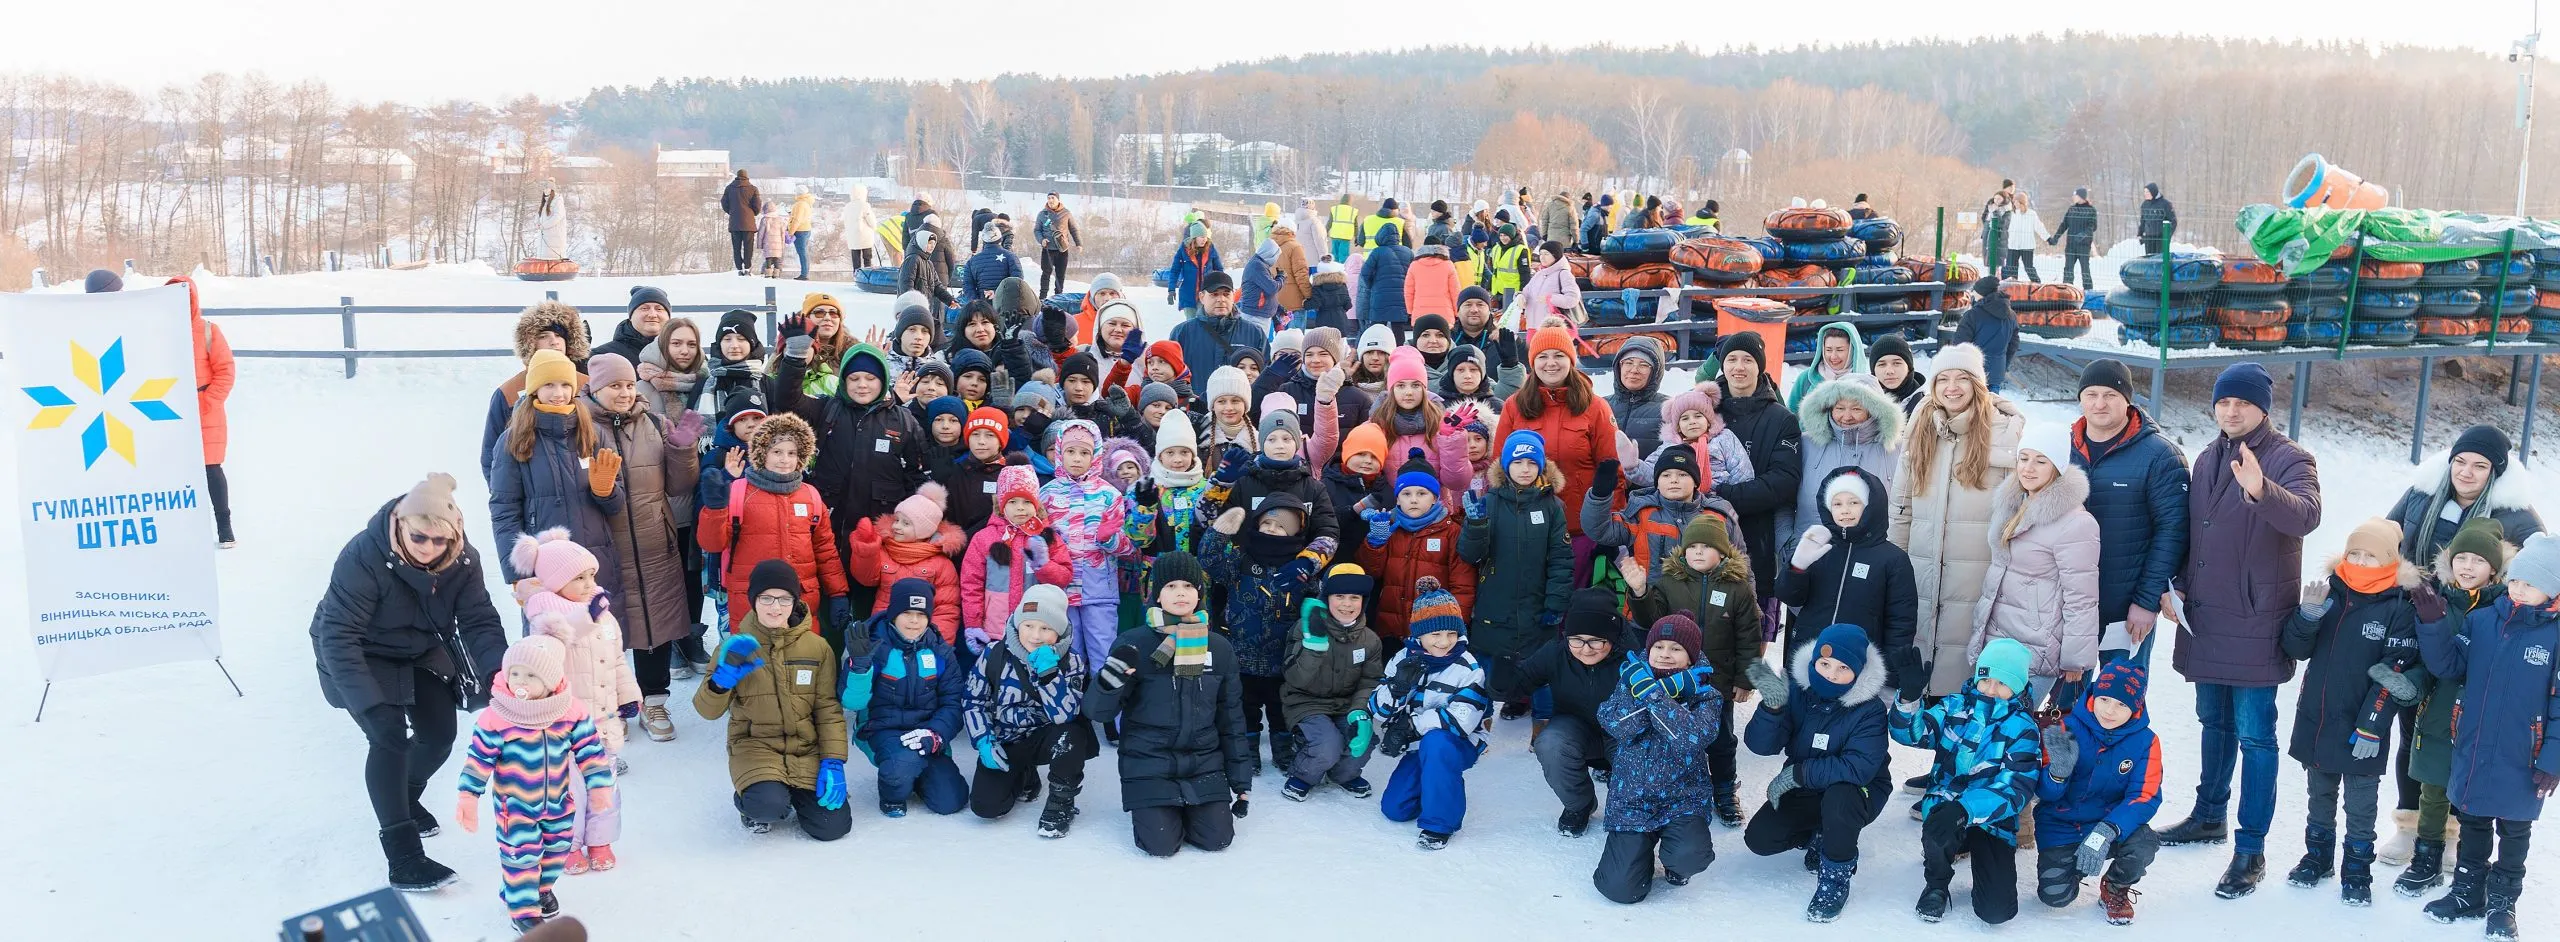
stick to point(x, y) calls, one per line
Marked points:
point(737, 659)
point(839, 612)
point(1382, 524)
point(831, 784)
point(1678, 684)
point(1551, 620)
point(2314, 611)
point(1297, 571)
point(1044, 658)
point(1231, 463)
point(1472, 503)
point(991, 755)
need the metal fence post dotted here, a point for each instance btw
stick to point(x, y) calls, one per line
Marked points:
point(2532, 404)
point(2301, 391)
point(2426, 382)
point(772, 310)
point(347, 330)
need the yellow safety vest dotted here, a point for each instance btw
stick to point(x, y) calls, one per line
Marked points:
point(1369, 228)
point(1506, 267)
point(1346, 222)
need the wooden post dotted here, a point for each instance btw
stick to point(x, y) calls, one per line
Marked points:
point(347, 330)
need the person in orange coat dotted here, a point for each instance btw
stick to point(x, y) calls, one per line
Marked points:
point(1557, 402)
point(913, 542)
point(768, 512)
point(1416, 538)
point(214, 375)
point(1431, 283)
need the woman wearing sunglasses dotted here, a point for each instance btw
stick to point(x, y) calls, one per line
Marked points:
point(407, 638)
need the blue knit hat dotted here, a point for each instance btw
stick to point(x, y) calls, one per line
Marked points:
point(1434, 609)
point(941, 406)
point(1525, 443)
point(643, 294)
point(910, 595)
point(1417, 472)
point(1845, 643)
point(2537, 564)
point(2121, 682)
point(2248, 382)
point(2005, 660)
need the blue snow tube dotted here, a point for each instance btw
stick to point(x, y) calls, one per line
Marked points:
point(1628, 248)
point(2331, 278)
point(2546, 330)
point(2519, 269)
point(1164, 277)
point(1879, 233)
point(2179, 336)
point(2449, 302)
point(1772, 251)
point(2457, 273)
point(1837, 253)
point(2143, 307)
point(2398, 333)
point(2387, 305)
point(877, 280)
point(2319, 308)
point(1872, 274)
point(2188, 272)
point(2313, 333)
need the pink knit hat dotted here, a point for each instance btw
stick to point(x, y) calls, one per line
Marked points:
point(541, 654)
point(552, 558)
point(1018, 480)
point(1405, 363)
point(607, 369)
point(922, 510)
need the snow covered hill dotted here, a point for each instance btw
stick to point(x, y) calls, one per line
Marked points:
point(153, 804)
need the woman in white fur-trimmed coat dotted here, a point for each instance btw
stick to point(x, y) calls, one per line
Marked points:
point(2042, 588)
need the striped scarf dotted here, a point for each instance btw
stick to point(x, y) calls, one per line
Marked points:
point(1186, 641)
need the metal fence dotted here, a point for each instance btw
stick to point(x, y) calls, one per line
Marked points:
point(347, 311)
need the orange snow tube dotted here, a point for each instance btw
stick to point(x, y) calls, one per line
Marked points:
point(2317, 182)
point(1649, 275)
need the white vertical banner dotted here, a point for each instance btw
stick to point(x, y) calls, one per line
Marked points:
point(111, 500)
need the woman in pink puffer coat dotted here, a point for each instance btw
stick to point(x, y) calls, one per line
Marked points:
point(2042, 589)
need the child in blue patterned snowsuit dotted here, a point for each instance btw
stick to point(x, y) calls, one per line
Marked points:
point(1660, 721)
point(1988, 738)
point(1429, 713)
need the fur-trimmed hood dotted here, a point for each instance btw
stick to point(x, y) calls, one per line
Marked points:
point(1870, 681)
point(550, 313)
point(776, 428)
point(2507, 491)
point(2066, 494)
point(1813, 412)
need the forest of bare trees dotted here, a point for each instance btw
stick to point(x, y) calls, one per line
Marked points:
point(230, 170)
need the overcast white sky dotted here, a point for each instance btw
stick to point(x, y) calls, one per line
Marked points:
point(491, 49)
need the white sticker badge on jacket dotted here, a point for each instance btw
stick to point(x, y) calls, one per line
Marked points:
point(880, 445)
point(805, 677)
point(1537, 517)
point(799, 510)
point(1857, 570)
point(1715, 598)
point(1359, 655)
point(1822, 740)
point(1431, 545)
point(987, 487)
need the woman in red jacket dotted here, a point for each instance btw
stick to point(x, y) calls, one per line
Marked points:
point(1557, 402)
point(768, 512)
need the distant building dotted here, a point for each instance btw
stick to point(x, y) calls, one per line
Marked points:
point(693, 163)
point(1200, 155)
point(349, 164)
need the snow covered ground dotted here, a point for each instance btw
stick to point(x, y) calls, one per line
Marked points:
point(204, 816)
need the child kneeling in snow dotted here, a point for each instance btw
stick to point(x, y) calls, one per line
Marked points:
point(1429, 712)
point(1660, 720)
point(1173, 689)
point(786, 728)
point(1325, 687)
point(2100, 787)
point(535, 747)
point(910, 703)
point(1987, 735)
point(1024, 699)
point(1825, 719)
point(561, 600)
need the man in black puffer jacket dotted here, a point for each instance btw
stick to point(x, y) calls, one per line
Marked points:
point(1579, 670)
point(2079, 230)
point(405, 638)
point(1768, 430)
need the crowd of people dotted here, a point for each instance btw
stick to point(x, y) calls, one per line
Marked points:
point(1004, 535)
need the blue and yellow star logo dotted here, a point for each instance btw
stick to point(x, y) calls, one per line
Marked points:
point(105, 432)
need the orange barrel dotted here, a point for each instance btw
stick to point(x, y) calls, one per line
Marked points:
point(2317, 182)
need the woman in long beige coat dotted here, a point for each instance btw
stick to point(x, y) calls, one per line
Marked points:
point(658, 462)
point(1963, 444)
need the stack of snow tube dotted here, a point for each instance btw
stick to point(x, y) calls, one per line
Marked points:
point(1870, 273)
point(2457, 273)
point(1716, 261)
point(1879, 234)
point(2050, 309)
point(1815, 235)
point(1776, 279)
point(2249, 305)
point(2191, 277)
point(1958, 276)
point(877, 280)
point(1628, 248)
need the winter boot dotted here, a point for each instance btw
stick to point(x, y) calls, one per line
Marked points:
point(1728, 803)
point(577, 862)
point(1813, 853)
point(411, 870)
point(600, 858)
point(550, 904)
point(1295, 790)
point(893, 809)
point(2241, 878)
point(1933, 903)
point(2503, 890)
point(1356, 788)
point(2355, 874)
point(2118, 901)
point(1514, 710)
point(2466, 899)
point(1573, 823)
point(1831, 892)
point(524, 924)
point(2319, 857)
point(418, 814)
point(1061, 811)
point(2426, 869)
point(1432, 840)
point(1029, 792)
point(1919, 784)
point(754, 826)
point(654, 719)
point(2403, 841)
point(2195, 830)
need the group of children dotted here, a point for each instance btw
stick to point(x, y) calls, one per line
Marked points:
point(1133, 565)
